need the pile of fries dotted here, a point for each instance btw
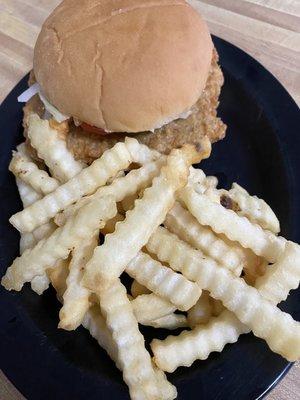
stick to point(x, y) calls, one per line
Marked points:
point(203, 259)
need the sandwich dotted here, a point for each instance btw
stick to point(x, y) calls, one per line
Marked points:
point(107, 69)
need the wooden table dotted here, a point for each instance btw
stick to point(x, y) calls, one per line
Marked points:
point(269, 30)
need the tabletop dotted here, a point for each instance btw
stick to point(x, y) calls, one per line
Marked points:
point(269, 30)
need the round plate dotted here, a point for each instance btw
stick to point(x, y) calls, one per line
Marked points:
point(261, 152)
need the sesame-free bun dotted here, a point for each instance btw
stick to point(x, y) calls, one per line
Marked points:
point(123, 65)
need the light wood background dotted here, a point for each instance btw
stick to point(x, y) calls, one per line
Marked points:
point(269, 30)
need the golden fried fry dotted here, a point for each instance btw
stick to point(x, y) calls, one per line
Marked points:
point(266, 321)
point(83, 225)
point(186, 227)
point(120, 188)
point(149, 307)
point(163, 281)
point(149, 212)
point(170, 321)
point(52, 149)
point(86, 182)
point(254, 208)
point(133, 358)
point(282, 276)
point(236, 228)
point(27, 171)
point(76, 297)
point(197, 344)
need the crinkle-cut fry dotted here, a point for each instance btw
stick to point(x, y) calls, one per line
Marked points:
point(187, 228)
point(168, 354)
point(149, 212)
point(170, 321)
point(120, 188)
point(137, 289)
point(95, 323)
point(26, 170)
point(28, 240)
point(27, 194)
point(52, 149)
point(76, 297)
point(200, 182)
point(236, 228)
point(133, 358)
point(140, 153)
point(149, 307)
point(163, 281)
point(278, 329)
point(40, 283)
point(197, 344)
point(86, 182)
point(282, 276)
point(201, 312)
point(166, 389)
point(83, 225)
point(254, 208)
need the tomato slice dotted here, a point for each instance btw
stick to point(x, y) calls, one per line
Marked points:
point(93, 129)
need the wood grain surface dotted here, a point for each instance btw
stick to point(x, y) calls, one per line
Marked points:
point(269, 30)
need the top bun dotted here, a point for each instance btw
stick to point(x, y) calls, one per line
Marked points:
point(123, 65)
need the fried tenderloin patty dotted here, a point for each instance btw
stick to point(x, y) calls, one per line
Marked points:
point(203, 121)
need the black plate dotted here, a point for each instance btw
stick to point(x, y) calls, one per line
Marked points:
point(261, 151)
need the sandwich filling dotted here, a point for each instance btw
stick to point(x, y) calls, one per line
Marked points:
point(88, 143)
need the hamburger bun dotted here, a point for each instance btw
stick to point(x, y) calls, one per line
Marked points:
point(123, 65)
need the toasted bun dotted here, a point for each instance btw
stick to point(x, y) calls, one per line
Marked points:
point(123, 65)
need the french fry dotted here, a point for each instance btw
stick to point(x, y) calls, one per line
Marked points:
point(282, 276)
point(163, 281)
point(28, 240)
point(200, 182)
point(277, 328)
point(47, 252)
point(198, 343)
point(254, 208)
point(76, 297)
point(27, 171)
point(40, 283)
point(149, 212)
point(201, 312)
point(27, 194)
point(52, 149)
point(137, 289)
point(86, 182)
point(140, 153)
point(96, 325)
point(133, 358)
point(184, 349)
point(236, 228)
point(149, 307)
point(120, 188)
point(170, 321)
point(187, 228)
